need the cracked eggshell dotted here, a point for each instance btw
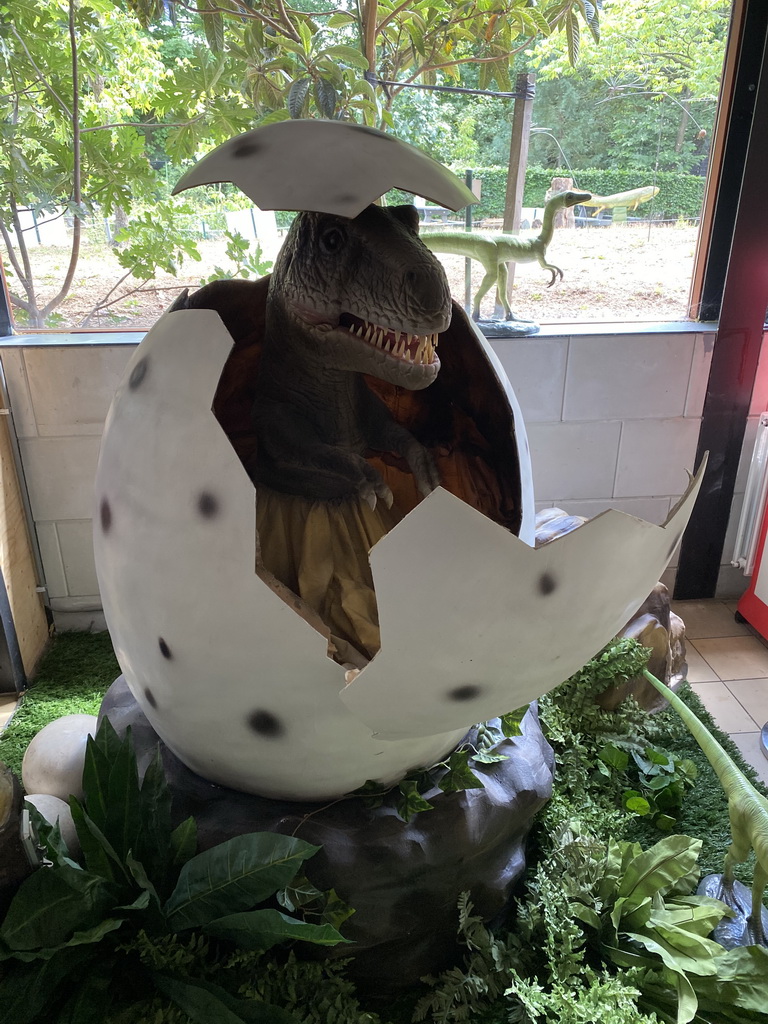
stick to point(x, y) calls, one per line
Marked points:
point(237, 684)
point(351, 167)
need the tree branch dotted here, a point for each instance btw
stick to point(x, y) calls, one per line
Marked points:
point(369, 32)
point(244, 12)
point(142, 124)
point(21, 303)
point(12, 255)
point(40, 74)
point(77, 194)
point(392, 15)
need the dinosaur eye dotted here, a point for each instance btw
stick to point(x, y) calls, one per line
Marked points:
point(331, 240)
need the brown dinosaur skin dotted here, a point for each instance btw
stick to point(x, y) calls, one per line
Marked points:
point(346, 298)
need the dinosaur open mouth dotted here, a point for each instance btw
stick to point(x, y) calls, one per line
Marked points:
point(410, 348)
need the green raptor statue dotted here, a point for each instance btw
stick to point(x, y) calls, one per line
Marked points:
point(496, 251)
point(631, 199)
point(747, 810)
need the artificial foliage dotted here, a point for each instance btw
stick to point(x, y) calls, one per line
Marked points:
point(605, 925)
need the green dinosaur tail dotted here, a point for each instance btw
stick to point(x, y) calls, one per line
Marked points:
point(731, 778)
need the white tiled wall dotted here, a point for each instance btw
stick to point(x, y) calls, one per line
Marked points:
point(613, 422)
point(59, 397)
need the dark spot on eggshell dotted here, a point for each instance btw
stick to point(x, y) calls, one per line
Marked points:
point(546, 583)
point(105, 513)
point(346, 197)
point(467, 692)
point(207, 505)
point(138, 373)
point(165, 650)
point(245, 149)
point(265, 724)
point(150, 698)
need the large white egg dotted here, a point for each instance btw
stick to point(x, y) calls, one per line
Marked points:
point(474, 621)
point(53, 761)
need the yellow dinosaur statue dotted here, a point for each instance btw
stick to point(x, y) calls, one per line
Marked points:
point(631, 199)
point(496, 251)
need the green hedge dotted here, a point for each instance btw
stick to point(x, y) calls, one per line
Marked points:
point(680, 195)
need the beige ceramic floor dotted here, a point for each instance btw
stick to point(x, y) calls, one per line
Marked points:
point(728, 669)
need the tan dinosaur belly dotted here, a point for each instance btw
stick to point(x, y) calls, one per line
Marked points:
point(319, 550)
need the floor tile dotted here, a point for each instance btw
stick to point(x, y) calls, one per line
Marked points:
point(725, 708)
point(698, 670)
point(734, 657)
point(752, 694)
point(749, 745)
point(708, 619)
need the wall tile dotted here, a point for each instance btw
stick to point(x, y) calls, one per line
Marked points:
point(18, 392)
point(60, 473)
point(654, 456)
point(573, 460)
point(76, 542)
point(72, 387)
point(702, 361)
point(628, 377)
point(50, 554)
point(536, 369)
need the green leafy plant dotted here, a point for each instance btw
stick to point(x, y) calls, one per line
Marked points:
point(83, 934)
point(248, 260)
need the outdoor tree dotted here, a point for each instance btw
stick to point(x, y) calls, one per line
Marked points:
point(94, 97)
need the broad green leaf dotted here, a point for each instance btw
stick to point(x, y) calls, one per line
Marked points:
point(511, 722)
point(459, 775)
point(410, 801)
point(348, 55)
point(586, 914)
point(262, 929)
point(306, 36)
point(99, 856)
point(742, 978)
point(183, 843)
point(90, 936)
point(297, 95)
point(339, 20)
point(674, 959)
point(659, 868)
point(46, 910)
point(206, 1003)
point(234, 876)
point(26, 991)
point(124, 821)
point(325, 97)
point(572, 32)
point(90, 1001)
point(49, 835)
point(637, 805)
point(152, 844)
point(611, 755)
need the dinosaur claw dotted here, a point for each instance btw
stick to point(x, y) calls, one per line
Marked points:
point(370, 499)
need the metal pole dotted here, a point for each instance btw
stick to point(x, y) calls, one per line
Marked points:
point(468, 261)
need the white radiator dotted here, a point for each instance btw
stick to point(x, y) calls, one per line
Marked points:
point(754, 502)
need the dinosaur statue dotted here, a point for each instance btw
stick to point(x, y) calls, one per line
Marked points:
point(747, 810)
point(348, 297)
point(631, 199)
point(496, 251)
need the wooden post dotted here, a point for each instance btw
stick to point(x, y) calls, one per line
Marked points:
point(518, 161)
point(563, 218)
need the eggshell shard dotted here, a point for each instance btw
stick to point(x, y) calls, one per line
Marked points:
point(522, 621)
point(53, 762)
point(53, 809)
point(352, 166)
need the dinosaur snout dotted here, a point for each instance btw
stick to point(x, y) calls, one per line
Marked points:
point(428, 296)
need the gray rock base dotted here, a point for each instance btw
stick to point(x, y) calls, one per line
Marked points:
point(402, 879)
point(737, 930)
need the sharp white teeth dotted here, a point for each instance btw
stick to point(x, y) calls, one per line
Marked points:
point(421, 350)
point(400, 347)
point(380, 337)
point(368, 332)
point(387, 345)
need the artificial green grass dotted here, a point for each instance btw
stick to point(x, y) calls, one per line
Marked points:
point(73, 676)
point(704, 813)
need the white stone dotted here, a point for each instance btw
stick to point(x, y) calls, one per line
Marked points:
point(53, 763)
point(54, 809)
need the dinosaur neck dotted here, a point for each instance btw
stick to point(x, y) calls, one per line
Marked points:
point(727, 772)
point(548, 222)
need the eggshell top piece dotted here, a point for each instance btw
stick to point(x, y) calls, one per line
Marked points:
point(326, 166)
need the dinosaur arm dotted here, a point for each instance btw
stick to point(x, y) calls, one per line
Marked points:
point(292, 458)
point(386, 435)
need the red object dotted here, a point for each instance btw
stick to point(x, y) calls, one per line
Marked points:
point(753, 603)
